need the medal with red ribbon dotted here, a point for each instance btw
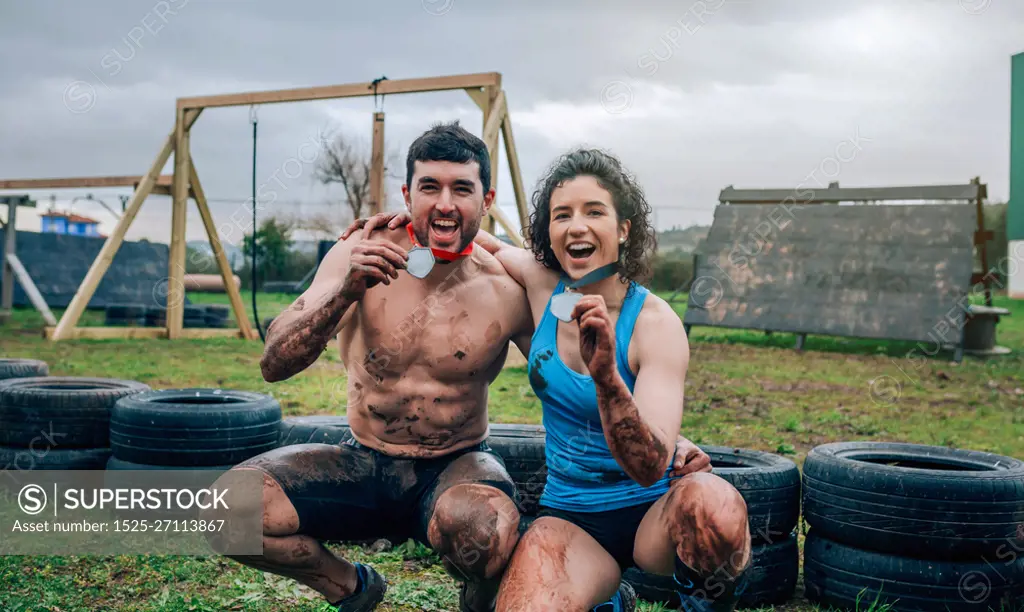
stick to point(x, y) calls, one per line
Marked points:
point(422, 259)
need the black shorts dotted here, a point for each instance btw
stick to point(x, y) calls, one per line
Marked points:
point(614, 530)
point(349, 492)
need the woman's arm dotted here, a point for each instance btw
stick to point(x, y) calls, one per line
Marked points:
point(642, 427)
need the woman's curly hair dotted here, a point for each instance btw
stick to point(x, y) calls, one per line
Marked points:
point(627, 196)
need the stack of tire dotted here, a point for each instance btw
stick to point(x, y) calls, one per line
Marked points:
point(917, 527)
point(770, 486)
point(58, 422)
point(208, 429)
point(188, 430)
point(215, 316)
point(129, 315)
point(769, 483)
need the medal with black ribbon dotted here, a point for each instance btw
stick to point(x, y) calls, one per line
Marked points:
point(563, 304)
point(421, 259)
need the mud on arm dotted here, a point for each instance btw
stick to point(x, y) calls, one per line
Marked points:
point(642, 427)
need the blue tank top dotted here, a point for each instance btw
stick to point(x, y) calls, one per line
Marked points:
point(583, 476)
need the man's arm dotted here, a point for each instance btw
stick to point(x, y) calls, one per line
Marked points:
point(642, 427)
point(516, 261)
point(300, 334)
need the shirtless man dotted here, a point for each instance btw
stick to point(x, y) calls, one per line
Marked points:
point(420, 354)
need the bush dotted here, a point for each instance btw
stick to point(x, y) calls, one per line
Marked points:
point(671, 270)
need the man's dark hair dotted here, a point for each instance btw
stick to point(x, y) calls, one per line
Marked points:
point(627, 196)
point(449, 142)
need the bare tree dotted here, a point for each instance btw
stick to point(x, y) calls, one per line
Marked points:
point(346, 161)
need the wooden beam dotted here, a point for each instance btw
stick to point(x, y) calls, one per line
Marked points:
point(516, 172)
point(479, 96)
point(79, 182)
point(834, 193)
point(377, 166)
point(400, 86)
point(496, 213)
point(30, 289)
point(489, 134)
point(218, 252)
point(143, 333)
point(107, 333)
point(7, 278)
point(179, 209)
point(106, 255)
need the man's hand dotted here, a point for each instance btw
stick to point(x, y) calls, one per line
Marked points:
point(372, 262)
point(391, 219)
point(690, 459)
point(597, 336)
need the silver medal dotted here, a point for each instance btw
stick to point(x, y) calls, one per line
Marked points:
point(420, 263)
point(563, 304)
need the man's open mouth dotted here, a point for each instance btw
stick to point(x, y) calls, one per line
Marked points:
point(580, 251)
point(444, 230)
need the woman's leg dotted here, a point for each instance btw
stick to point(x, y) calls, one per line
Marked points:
point(557, 567)
point(702, 522)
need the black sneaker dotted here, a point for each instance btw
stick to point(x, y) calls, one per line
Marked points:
point(628, 597)
point(374, 586)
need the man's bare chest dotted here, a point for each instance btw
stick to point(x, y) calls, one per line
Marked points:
point(456, 331)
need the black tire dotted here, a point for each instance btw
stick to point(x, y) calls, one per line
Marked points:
point(122, 322)
point(898, 498)
point(773, 576)
point(191, 322)
point(321, 429)
point(194, 427)
point(193, 312)
point(217, 311)
point(770, 485)
point(60, 411)
point(23, 368)
point(839, 575)
point(42, 458)
point(125, 311)
point(522, 449)
point(215, 322)
point(119, 465)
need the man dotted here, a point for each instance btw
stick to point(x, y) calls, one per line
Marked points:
point(420, 353)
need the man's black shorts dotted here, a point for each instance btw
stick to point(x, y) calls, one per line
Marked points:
point(350, 492)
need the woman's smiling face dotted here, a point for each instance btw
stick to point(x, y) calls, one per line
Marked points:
point(584, 228)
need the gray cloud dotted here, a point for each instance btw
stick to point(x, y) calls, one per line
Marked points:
point(704, 94)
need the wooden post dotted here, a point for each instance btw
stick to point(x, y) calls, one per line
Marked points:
point(176, 260)
point(981, 240)
point(516, 172)
point(218, 252)
point(30, 288)
point(492, 124)
point(10, 235)
point(377, 166)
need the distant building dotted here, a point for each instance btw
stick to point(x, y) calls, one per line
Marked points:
point(69, 223)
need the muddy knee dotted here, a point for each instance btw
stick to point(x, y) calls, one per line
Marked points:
point(474, 528)
point(707, 519)
point(277, 515)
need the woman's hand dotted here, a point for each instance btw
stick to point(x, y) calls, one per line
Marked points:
point(597, 337)
point(392, 220)
point(690, 459)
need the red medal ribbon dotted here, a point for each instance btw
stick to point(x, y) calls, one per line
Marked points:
point(438, 253)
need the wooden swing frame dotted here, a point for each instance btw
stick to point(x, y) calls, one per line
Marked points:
point(483, 88)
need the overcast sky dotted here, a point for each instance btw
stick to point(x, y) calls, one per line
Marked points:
point(693, 96)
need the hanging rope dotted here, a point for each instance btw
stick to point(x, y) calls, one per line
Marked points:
point(255, 313)
point(375, 83)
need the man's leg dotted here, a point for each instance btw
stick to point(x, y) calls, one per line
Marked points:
point(699, 528)
point(313, 492)
point(471, 519)
point(557, 567)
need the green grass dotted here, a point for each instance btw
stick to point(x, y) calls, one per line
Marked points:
point(744, 389)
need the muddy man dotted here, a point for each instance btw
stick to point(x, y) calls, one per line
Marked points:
point(420, 351)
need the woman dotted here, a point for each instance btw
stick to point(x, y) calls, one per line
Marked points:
point(608, 361)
